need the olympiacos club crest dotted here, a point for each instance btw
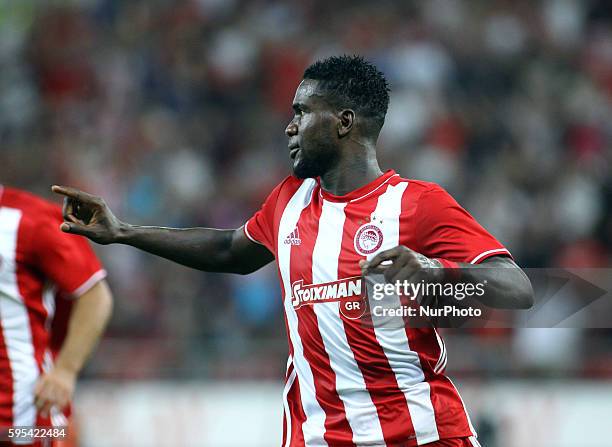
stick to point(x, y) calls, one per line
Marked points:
point(368, 239)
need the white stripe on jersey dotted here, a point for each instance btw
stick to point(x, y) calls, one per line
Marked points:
point(361, 413)
point(58, 419)
point(404, 362)
point(314, 425)
point(16, 323)
point(498, 251)
point(246, 231)
point(288, 386)
point(442, 359)
point(48, 300)
point(89, 283)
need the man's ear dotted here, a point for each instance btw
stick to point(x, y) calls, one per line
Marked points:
point(346, 121)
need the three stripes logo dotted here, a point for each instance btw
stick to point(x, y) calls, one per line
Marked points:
point(293, 238)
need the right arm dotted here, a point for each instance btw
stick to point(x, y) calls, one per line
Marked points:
point(205, 249)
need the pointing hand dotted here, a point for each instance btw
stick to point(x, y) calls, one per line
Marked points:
point(88, 215)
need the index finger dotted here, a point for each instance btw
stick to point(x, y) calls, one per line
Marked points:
point(73, 193)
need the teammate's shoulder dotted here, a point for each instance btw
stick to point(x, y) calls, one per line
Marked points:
point(30, 204)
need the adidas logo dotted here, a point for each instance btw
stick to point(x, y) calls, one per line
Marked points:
point(293, 238)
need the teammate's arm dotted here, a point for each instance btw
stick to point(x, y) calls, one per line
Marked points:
point(205, 249)
point(88, 320)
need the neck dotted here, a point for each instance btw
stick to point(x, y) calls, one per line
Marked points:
point(356, 168)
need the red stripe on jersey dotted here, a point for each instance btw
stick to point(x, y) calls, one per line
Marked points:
point(337, 428)
point(293, 412)
point(43, 421)
point(296, 415)
point(449, 412)
point(451, 415)
point(379, 378)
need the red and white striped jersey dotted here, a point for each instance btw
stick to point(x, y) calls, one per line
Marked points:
point(350, 384)
point(37, 264)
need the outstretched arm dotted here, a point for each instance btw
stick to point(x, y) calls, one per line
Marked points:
point(207, 249)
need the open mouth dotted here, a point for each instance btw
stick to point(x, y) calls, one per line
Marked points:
point(293, 152)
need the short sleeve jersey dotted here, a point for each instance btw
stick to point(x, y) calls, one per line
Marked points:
point(349, 384)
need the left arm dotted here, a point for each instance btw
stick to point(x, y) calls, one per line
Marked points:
point(87, 322)
point(508, 287)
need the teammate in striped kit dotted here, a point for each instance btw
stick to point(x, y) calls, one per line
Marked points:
point(44, 338)
point(337, 218)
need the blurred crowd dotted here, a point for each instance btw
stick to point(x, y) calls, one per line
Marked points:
point(174, 112)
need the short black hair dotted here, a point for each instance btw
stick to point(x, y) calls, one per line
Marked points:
point(353, 82)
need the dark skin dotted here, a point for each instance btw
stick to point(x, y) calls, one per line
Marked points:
point(317, 127)
point(339, 146)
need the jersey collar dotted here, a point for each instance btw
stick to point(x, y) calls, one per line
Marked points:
point(359, 193)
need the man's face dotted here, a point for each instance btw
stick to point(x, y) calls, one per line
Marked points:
point(313, 137)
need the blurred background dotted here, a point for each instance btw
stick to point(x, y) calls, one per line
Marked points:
point(174, 112)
